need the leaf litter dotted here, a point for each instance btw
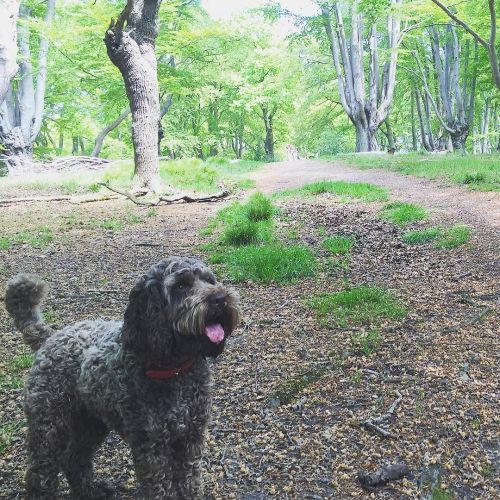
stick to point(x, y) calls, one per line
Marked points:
point(312, 442)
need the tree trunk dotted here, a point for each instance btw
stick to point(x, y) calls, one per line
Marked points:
point(366, 110)
point(459, 139)
point(485, 147)
point(99, 140)
point(74, 149)
point(132, 51)
point(21, 121)
point(8, 45)
point(413, 127)
point(391, 146)
point(268, 123)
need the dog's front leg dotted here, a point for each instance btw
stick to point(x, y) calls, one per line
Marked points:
point(187, 469)
point(153, 469)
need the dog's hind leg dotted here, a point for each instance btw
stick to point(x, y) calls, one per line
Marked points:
point(43, 462)
point(86, 437)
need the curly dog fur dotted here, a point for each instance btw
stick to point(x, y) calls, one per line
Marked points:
point(91, 377)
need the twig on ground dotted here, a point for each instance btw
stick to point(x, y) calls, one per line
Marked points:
point(470, 321)
point(372, 423)
point(146, 244)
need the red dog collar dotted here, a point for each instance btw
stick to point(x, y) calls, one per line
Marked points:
point(170, 373)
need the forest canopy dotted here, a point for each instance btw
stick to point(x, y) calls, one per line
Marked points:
point(356, 76)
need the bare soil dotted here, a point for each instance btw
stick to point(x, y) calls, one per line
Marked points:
point(442, 357)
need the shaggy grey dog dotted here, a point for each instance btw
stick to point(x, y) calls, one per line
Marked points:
point(146, 378)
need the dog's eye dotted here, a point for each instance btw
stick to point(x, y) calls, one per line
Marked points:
point(181, 286)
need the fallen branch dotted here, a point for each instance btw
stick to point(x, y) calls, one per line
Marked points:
point(128, 195)
point(372, 423)
point(71, 199)
point(169, 199)
point(12, 201)
point(370, 480)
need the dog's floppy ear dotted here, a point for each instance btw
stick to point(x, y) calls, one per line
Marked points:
point(145, 321)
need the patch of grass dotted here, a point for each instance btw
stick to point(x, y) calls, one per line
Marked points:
point(477, 172)
point(267, 263)
point(454, 236)
point(10, 382)
point(37, 238)
point(152, 212)
point(20, 362)
point(358, 305)
point(403, 213)
point(241, 231)
point(113, 224)
point(421, 236)
point(367, 342)
point(49, 316)
point(5, 243)
point(186, 174)
point(349, 190)
point(339, 244)
point(243, 184)
point(7, 434)
point(444, 238)
point(439, 493)
point(246, 224)
point(291, 387)
point(135, 219)
point(259, 208)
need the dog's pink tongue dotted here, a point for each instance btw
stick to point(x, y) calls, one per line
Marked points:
point(215, 333)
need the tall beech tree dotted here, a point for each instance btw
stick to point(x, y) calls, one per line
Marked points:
point(455, 77)
point(490, 43)
point(130, 42)
point(367, 110)
point(8, 45)
point(23, 106)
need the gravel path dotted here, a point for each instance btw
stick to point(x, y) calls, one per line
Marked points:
point(471, 207)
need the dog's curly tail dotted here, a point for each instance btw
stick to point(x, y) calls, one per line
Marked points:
point(24, 294)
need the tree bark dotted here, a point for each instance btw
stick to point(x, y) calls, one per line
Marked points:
point(489, 45)
point(22, 121)
point(413, 127)
point(268, 117)
point(366, 110)
point(454, 102)
point(8, 45)
point(132, 51)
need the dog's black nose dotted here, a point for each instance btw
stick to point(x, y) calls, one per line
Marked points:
point(219, 298)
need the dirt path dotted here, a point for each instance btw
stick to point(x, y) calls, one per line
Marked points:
point(457, 203)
